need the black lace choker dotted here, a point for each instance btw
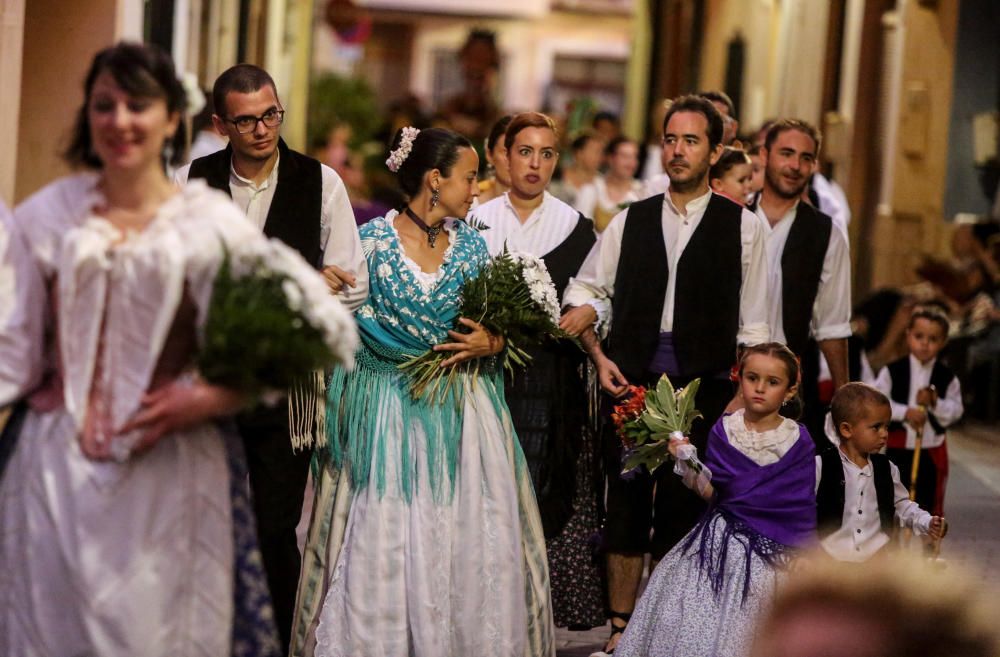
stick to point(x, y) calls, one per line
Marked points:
point(432, 231)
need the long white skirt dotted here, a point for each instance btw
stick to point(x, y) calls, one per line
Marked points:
point(115, 559)
point(437, 578)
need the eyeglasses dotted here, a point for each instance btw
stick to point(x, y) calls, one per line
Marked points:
point(272, 118)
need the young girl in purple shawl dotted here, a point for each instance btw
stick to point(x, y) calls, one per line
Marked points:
point(705, 596)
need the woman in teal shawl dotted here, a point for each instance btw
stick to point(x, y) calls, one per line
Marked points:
point(425, 537)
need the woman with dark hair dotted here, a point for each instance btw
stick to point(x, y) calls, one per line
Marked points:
point(548, 401)
point(587, 152)
point(498, 170)
point(125, 525)
point(425, 537)
point(611, 193)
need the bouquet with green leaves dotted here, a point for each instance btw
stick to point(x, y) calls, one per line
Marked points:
point(513, 296)
point(272, 321)
point(647, 420)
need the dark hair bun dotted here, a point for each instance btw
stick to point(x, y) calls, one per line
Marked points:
point(433, 148)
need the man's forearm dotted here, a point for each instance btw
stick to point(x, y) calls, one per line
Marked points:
point(591, 344)
point(835, 352)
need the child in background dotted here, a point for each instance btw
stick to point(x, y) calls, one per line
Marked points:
point(705, 596)
point(859, 496)
point(925, 397)
point(732, 175)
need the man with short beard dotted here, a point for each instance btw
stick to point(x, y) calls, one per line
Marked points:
point(686, 276)
point(809, 265)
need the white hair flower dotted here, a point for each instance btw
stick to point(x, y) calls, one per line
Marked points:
point(398, 156)
point(192, 92)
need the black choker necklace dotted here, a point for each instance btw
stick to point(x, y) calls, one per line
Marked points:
point(432, 231)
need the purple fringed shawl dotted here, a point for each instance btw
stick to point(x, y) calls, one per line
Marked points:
point(766, 508)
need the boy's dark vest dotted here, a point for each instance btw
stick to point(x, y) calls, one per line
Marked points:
point(294, 215)
point(941, 377)
point(707, 292)
point(831, 496)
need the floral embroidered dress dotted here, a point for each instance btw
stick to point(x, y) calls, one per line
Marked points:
point(154, 554)
point(425, 536)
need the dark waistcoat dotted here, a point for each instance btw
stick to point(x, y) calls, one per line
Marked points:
point(295, 213)
point(941, 377)
point(831, 496)
point(707, 291)
point(801, 268)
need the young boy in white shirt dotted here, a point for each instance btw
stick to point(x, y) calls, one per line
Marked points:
point(925, 397)
point(859, 495)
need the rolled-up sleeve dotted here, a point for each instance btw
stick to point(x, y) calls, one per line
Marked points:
point(594, 284)
point(753, 292)
point(831, 318)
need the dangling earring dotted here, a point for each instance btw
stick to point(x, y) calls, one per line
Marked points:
point(434, 198)
point(168, 153)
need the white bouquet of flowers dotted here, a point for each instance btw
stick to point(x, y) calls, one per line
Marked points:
point(513, 296)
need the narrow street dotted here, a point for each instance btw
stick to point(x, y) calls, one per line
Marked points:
point(972, 507)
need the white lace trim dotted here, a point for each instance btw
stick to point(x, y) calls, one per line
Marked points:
point(426, 280)
point(762, 447)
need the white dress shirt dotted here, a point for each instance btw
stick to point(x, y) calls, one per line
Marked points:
point(338, 229)
point(547, 227)
point(831, 316)
point(595, 195)
point(596, 279)
point(947, 411)
point(861, 535)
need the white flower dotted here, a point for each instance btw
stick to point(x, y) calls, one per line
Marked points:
point(293, 295)
point(413, 330)
point(367, 312)
point(381, 245)
point(384, 270)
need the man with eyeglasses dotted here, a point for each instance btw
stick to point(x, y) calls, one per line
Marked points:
point(304, 204)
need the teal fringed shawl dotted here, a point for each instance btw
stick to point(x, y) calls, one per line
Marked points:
point(400, 320)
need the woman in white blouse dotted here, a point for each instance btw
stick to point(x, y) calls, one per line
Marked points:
point(125, 527)
point(611, 193)
point(548, 402)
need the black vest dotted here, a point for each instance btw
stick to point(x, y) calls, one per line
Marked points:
point(295, 213)
point(831, 496)
point(941, 378)
point(801, 268)
point(707, 292)
point(564, 261)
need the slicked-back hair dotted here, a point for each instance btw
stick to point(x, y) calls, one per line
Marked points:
point(243, 79)
point(142, 71)
point(526, 120)
point(784, 125)
point(852, 401)
point(698, 105)
point(433, 148)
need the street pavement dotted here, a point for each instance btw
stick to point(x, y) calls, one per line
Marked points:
point(972, 508)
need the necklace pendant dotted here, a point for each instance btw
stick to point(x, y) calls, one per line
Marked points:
point(432, 235)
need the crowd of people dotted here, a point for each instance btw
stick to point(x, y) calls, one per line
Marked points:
point(478, 524)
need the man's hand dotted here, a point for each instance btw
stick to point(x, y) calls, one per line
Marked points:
point(577, 319)
point(611, 378)
point(337, 278)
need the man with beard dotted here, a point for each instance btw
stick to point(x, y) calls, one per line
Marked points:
point(304, 204)
point(686, 276)
point(809, 265)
